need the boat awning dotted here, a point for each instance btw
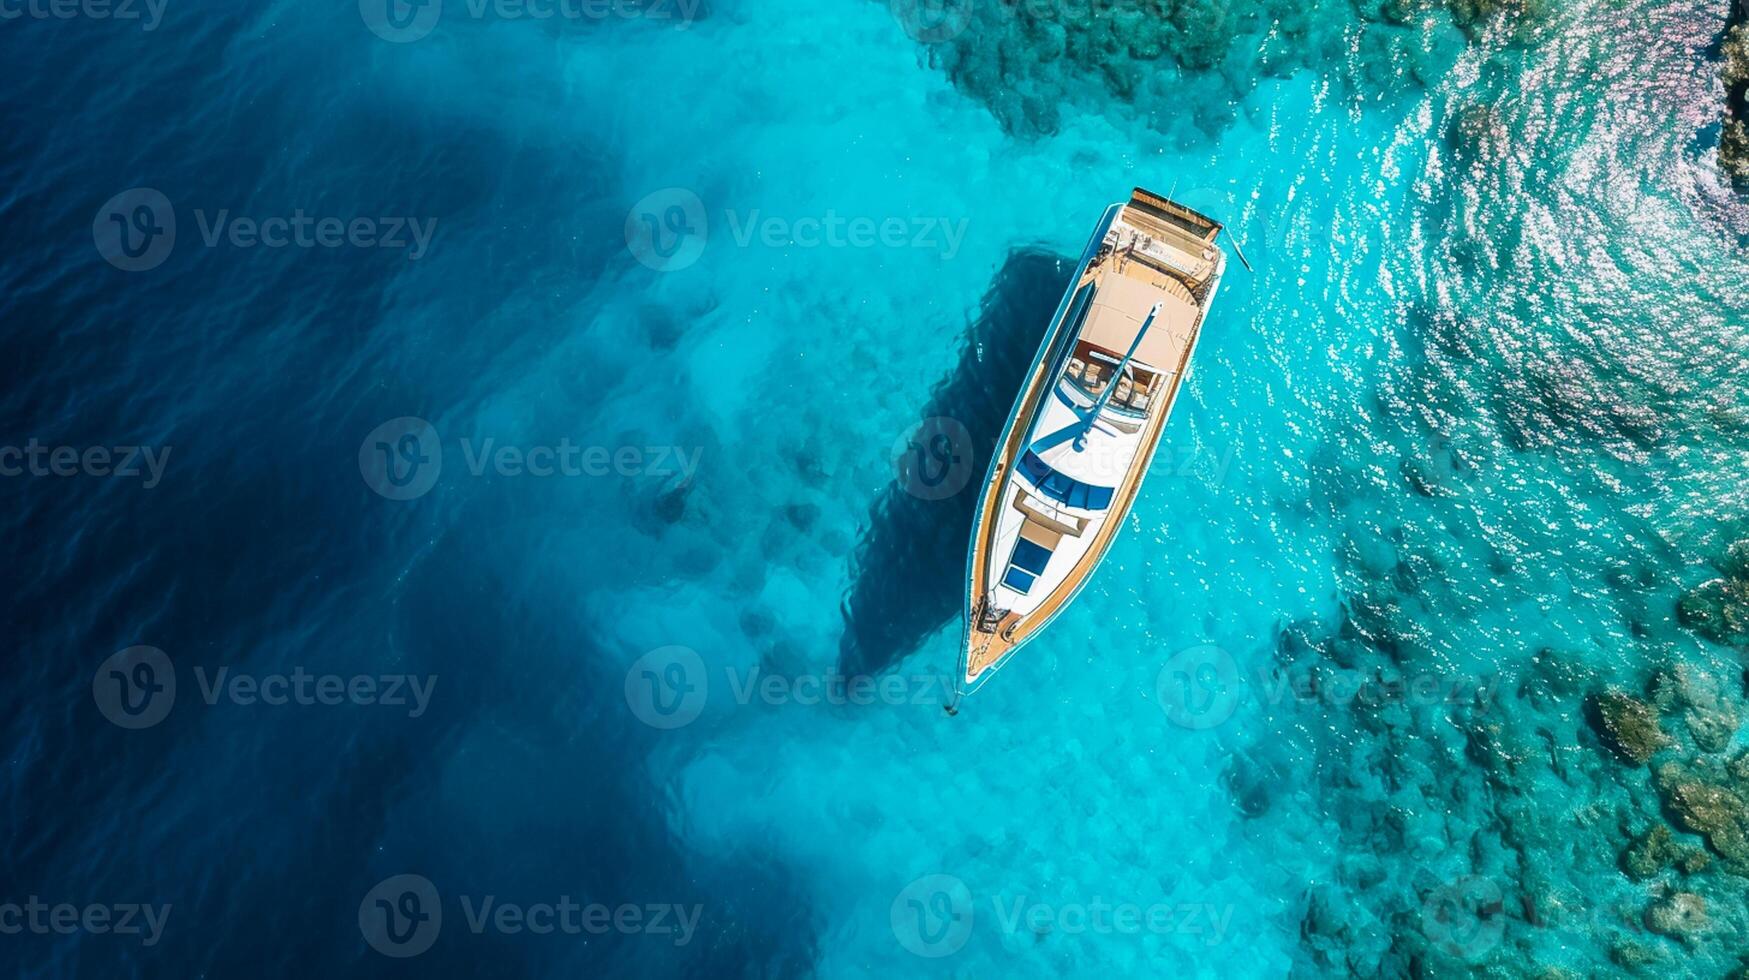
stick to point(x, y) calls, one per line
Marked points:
point(1119, 309)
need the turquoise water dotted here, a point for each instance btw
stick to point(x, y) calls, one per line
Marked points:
point(1475, 421)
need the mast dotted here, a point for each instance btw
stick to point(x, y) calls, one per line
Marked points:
point(1116, 375)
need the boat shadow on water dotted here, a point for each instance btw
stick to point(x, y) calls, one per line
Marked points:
point(909, 566)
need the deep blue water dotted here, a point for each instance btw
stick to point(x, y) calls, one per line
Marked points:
point(1477, 420)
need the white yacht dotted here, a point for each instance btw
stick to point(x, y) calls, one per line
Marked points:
point(1082, 434)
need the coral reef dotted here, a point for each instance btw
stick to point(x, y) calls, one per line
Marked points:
point(1599, 795)
point(1703, 803)
point(1184, 64)
point(1718, 608)
point(1682, 914)
point(1734, 140)
point(1735, 51)
point(1628, 726)
point(1734, 150)
point(1656, 851)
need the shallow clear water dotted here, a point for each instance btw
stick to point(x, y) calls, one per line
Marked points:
point(1481, 398)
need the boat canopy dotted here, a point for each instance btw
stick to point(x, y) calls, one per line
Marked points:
point(1121, 306)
